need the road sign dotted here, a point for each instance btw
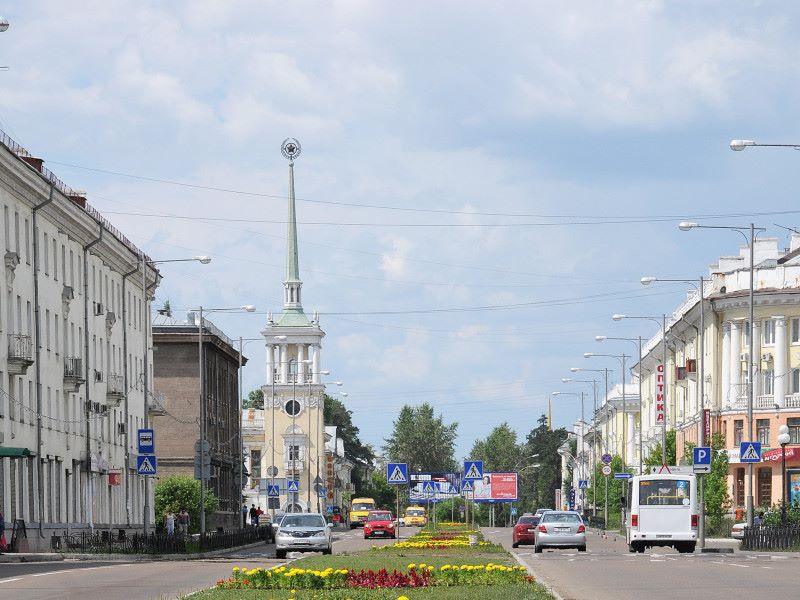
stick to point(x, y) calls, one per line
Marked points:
point(273, 491)
point(572, 499)
point(397, 474)
point(750, 452)
point(147, 442)
point(672, 470)
point(606, 458)
point(317, 480)
point(466, 486)
point(146, 465)
point(702, 459)
point(473, 470)
point(622, 475)
point(513, 511)
point(293, 485)
point(583, 484)
point(322, 492)
point(429, 488)
point(606, 469)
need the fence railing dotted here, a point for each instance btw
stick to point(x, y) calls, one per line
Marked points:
point(766, 537)
point(20, 346)
point(158, 543)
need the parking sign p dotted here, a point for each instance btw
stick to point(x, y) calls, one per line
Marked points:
point(702, 455)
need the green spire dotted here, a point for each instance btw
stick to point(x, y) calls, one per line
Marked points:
point(292, 263)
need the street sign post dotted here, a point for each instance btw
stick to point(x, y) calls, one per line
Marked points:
point(606, 458)
point(473, 470)
point(293, 485)
point(583, 484)
point(606, 470)
point(146, 441)
point(622, 475)
point(202, 460)
point(750, 452)
point(702, 459)
point(273, 491)
point(397, 473)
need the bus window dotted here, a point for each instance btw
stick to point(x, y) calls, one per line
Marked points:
point(664, 492)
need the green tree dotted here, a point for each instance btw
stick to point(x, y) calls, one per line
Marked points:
point(715, 483)
point(255, 399)
point(181, 491)
point(538, 486)
point(499, 451)
point(336, 413)
point(654, 458)
point(422, 440)
point(616, 489)
point(378, 489)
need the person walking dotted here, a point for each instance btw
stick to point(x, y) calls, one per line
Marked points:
point(169, 521)
point(244, 513)
point(183, 522)
point(253, 515)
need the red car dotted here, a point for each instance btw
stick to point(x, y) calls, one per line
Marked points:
point(525, 530)
point(379, 523)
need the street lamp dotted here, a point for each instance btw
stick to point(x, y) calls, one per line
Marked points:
point(242, 343)
point(309, 380)
point(581, 450)
point(594, 435)
point(783, 439)
point(750, 241)
point(146, 327)
point(621, 358)
point(739, 145)
point(203, 416)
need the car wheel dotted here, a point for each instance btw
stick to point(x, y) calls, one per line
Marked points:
point(328, 550)
point(515, 544)
point(280, 553)
point(581, 548)
point(537, 549)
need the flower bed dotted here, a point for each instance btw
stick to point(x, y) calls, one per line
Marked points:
point(418, 576)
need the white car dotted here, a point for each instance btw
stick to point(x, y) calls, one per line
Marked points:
point(303, 532)
point(737, 531)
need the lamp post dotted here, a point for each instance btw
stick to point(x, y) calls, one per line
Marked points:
point(580, 451)
point(203, 415)
point(783, 439)
point(739, 145)
point(594, 435)
point(308, 376)
point(621, 358)
point(3, 27)
point(750, 241)
point(143, 264)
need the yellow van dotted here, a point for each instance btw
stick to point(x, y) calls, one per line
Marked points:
point(415, 516)
point(359, 509)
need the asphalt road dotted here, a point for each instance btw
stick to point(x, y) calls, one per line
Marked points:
point(146, 580)
point(607, 571)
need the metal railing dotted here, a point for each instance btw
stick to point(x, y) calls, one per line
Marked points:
point(766, 537)
point(20, 346)
point(792, 401)
point(116, 385)
point(73, 367)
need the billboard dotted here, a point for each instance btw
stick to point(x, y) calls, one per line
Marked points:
point(433, 487)
point(495, 487)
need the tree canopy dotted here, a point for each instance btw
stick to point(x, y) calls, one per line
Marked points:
point(422, 440)
point(255, 399)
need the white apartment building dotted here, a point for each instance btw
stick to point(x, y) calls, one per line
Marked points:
point(74, 324)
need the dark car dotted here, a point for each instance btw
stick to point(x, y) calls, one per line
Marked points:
point(525, 530)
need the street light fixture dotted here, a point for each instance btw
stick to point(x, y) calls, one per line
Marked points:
point(581, 450)
point(739, 145)
point(621, 358)
point(3, 24)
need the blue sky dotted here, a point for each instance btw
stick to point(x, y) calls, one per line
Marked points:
point(603, 123)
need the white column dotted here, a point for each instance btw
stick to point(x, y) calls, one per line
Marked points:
point(781, 366)
point(631, 438)
point(270, 363)
point(756, 359)
point(725, 380)
point(735, 362)
point(315, 362)
point(276, 363)
point(301, 367)
point(284, 363)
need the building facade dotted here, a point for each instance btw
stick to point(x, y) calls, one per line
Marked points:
point(74, 306)
point(176, 423)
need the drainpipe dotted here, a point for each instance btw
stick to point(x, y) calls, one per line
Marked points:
point(89, 483)
point(126, 470)
point(37, 367)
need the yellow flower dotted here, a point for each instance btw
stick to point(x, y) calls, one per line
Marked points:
point(402, 598)
point(292, 591)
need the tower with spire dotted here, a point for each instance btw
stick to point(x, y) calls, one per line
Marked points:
point(294, 449)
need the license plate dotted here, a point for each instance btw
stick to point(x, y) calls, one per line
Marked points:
point(664, 536)
point(531, 531)
point(563, 529)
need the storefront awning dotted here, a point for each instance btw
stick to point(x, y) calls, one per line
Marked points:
point(14, 452)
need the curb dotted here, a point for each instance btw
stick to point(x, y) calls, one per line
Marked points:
point(549, 588)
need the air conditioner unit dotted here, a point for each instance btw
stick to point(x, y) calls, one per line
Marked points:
point(767, 357)
point(98, 309)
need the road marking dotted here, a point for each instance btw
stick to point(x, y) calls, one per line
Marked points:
point(743, 566)
point(10, 580)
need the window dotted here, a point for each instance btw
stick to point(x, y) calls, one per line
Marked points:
point(660, 492)
point(292, 408)
point(762, 431)
point(27, 241)
point(767, 380)
point(294, 452)
point(255, 467)
point(738, 431)
point(794, 381)
point(795, 331)
point(768, 329)
point(47, 328)
point(794, 430)
point(6, 226)
point(55, 260)
point(46, 257)
point(764, 486)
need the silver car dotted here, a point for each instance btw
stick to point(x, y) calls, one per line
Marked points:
point(560, 529)
point(303, 532)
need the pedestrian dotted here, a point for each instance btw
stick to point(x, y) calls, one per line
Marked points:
point(244, 513)
point(253, 515)
point(169, 521)
point(183, 522)
point(757, 519)
point(259, 512)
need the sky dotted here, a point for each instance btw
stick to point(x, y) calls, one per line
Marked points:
point(481, 184)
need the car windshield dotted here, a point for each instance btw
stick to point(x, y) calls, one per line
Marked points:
point(415, 513)
point(664, 492)
point(363, 506)
point(303, 521)
point(380, 517)
point(528, 520)
point(554, 517)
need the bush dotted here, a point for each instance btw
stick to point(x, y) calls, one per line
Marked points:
point(181, 491)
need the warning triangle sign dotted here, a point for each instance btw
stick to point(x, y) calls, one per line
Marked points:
point(146, 467)
point(473, 472)
point(397, 476)
point(428, 488)
point(750, 453)
point(466, 486)
point(663, 468)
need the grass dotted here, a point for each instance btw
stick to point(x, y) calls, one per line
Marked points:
point(382, 560)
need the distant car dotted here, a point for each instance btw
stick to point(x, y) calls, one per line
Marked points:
point(540, 511)
point(525, 530)
point(737, 531)
point(303, 532)
point(379, 523)
point(560, 529)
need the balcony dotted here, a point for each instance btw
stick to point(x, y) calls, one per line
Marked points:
point(764, 401)
point(297, 465)
point(115, 389)
point(73, 374)
point(793, 401)
point(20, 353)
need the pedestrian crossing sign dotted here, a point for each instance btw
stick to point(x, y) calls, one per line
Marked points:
point(429, 488)
point(466, 486)
point(273, 491)
point(293, 486)
point(397, 473)
point(146, 465)
point(473, 470)
point(750, 452)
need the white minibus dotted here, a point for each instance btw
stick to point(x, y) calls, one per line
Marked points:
point(662, 511)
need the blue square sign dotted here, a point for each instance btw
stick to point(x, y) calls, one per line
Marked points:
point(397, 474)
point(146, 441)
point(750, 452)
point(702, 455)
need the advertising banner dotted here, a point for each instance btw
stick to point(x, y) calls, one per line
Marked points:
point(496, 487)
point(793, 482)
point(433, 487)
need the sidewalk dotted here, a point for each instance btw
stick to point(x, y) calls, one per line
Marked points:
point(21, 557)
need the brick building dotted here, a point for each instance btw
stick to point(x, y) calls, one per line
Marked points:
point(177, 386)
